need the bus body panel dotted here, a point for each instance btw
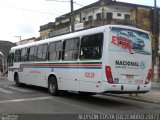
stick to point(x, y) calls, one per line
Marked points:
point(129, 65)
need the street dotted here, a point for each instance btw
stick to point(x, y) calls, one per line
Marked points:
point(36, 100)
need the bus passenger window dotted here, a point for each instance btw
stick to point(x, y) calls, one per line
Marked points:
point(91, 46)
point(39, 53)
point(17, 55)
point(58, 50)
point(24, 55)
point(70, 49)
point(10, 59)
point(32, 53)
point(55, 50)
point(42, 52)
point(45, 52)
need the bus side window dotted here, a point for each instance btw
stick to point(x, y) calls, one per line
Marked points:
point(51, 51)
point(70, 49)
point(31, 53)
point(42, 52)
point(17, 55)
point(35, 53)
point(58, 50)
point(91, 46)
point(54, 51)
point(45, 52)
point(10, 59)
point(24, 54)
point(39, 53)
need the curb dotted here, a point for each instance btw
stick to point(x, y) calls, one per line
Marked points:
point(133, 98)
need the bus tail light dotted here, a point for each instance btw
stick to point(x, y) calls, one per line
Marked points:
point(109, 74)
point(148, 76)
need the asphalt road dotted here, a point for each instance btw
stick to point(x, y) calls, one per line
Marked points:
point(36, 100)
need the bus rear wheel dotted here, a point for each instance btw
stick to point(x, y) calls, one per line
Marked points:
point(52, 86)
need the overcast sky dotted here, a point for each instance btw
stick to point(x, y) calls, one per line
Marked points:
point(24, 17)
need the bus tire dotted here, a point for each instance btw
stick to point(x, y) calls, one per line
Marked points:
point(53, 86)
point(16, 80)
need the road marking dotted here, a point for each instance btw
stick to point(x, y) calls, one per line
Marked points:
point(23, 100)
point(17, 89)
point(5, 91)
point(74, 105)
point(45, 98)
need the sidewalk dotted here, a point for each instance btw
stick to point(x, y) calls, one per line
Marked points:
point(151, 97)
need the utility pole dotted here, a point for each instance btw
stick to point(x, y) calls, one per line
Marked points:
point(156, 43)
point(72, 17)
point(20, 38)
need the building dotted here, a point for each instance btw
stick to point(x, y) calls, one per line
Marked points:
point(100, 13)
point(105, 12)
point(28, 40)
point(5, 47)
point(46, 29)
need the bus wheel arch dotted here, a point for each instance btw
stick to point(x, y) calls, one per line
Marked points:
point(16, 79)
point(53, 85)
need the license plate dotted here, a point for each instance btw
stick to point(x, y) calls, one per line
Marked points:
point(139, 81)
point(129, 77)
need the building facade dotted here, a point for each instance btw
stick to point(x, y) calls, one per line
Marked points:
point(28, 40)
point(104, 12)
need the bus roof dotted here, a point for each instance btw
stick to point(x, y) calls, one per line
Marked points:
point(75, 34)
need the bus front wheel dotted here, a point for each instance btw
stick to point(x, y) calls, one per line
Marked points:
point(52, 86)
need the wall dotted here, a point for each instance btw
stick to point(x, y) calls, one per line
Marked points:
point(143, 18)
point(104, 9)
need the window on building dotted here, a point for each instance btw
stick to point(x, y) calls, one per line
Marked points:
point(24, 55)
point(55, 49)
point(109, 16)
point(32, 53)
point(91, 47)
point(98, 16)
point(17, 55)
point(90, 17)
point(70, 49)
point(119, 14)
point(42, 52)
point(127, 17)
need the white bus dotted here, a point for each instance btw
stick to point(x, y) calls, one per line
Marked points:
point(111, 58)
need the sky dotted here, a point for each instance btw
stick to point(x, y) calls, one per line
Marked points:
point(24, 17)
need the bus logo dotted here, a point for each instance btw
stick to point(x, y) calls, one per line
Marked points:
point(142, 65)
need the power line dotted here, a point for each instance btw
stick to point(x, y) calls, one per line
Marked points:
point(58, 0)
point(78, 4)
point(29, 10)
point(66, 1)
